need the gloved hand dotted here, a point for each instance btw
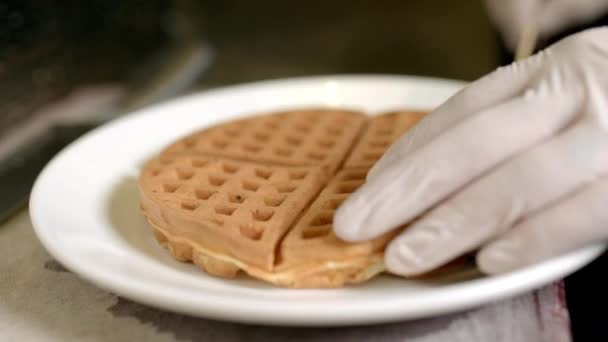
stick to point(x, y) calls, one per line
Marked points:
point(550, 16)
point(515, 163)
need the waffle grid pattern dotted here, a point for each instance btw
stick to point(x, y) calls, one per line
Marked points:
point(381, 132)
point(228, 193)
point(258, 180)
point(294, 138)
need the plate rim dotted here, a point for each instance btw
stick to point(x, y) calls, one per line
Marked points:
point(223, 311)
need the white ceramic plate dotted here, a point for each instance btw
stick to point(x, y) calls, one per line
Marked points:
point(84, 208)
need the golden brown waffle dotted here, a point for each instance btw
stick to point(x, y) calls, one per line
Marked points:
point(227, 200)
point(312, 238)
point(230, 207)
point(381, 132)
point(296, 138)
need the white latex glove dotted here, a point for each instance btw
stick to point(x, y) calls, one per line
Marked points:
point(550, 16)
point(514, 163)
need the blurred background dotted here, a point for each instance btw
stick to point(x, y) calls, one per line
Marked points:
point(67, 66)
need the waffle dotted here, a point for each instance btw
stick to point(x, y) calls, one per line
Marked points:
point(381, 132)
point(258, 195)
point(295, 138)
point(234, 208)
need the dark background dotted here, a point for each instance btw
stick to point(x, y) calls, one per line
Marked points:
point(50, 47)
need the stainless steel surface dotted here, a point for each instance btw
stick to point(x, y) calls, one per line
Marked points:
point(19, 171)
